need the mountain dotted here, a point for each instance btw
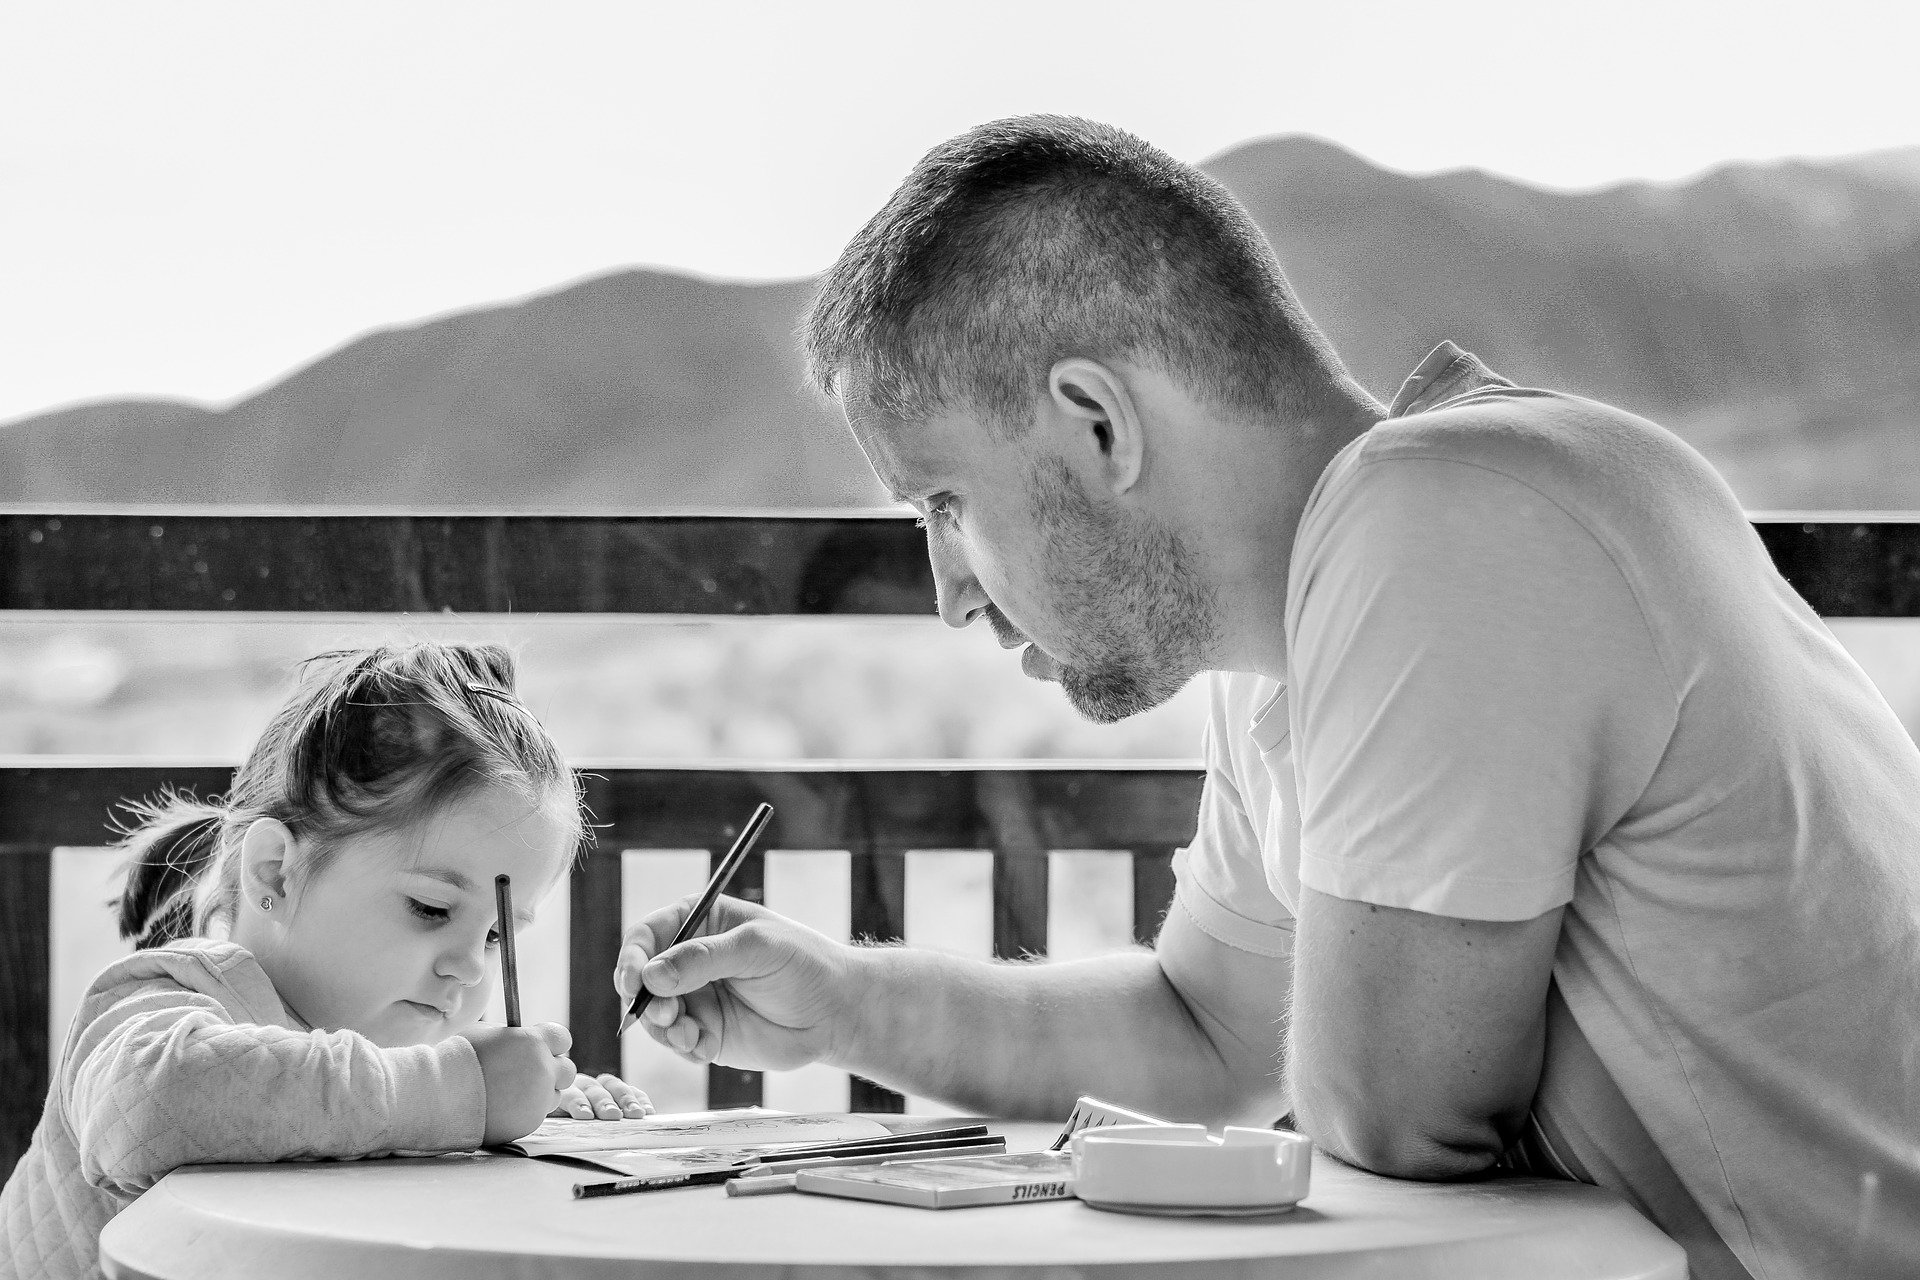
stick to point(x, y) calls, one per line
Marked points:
point(1768, 313)
point(635, 390)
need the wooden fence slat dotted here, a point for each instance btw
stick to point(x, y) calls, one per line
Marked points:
point(1020, 892)
point(593, 938)
point(730, 1086)
point(26, 901)
point(1153, 885)
point(876, 913)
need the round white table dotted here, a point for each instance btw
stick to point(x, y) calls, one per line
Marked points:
point(484, 1217)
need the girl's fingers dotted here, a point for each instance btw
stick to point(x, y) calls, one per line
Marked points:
point(630, 1101)
point(600, 1100)
point(573, 1102)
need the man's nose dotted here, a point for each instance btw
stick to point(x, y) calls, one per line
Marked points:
point(961, 597)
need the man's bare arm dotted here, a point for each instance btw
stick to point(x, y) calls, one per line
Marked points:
point(1417, 1039)
point(1192, 1030)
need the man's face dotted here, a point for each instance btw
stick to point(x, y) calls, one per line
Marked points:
point(1106, 599)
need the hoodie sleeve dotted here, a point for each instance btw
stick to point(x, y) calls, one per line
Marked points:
point(159, 1075)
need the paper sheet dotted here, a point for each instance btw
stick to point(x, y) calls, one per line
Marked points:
point(693, 1132)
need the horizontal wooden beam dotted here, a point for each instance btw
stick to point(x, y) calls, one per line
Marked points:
point(735, 565)
point(1020, 812)
point(715, 565)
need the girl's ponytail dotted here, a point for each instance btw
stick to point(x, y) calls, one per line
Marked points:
point(172, 842)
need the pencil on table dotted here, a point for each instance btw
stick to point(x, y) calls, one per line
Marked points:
point(509, 963)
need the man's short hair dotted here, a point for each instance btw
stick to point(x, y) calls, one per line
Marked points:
point(1029, 240)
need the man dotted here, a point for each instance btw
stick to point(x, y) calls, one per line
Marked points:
point(1544, 825)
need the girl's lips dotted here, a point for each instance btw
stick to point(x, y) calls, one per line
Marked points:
point(1038, 665)
point(426, 1010)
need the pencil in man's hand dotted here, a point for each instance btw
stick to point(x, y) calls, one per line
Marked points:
point(509, 963)
point(697, 916)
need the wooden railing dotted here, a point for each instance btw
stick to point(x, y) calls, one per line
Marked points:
point(211, 563)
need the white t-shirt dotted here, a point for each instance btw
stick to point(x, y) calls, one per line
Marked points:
point(1538, 656)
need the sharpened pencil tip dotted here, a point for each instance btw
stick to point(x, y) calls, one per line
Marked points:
point(626, 1020)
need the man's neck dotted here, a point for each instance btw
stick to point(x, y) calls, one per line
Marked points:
point(1260, 519)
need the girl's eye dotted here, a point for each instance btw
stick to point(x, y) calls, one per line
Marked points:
point(493, 937)
point(426, 910)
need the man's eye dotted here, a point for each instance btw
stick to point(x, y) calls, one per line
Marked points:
point(940, 512)
point(426, 910)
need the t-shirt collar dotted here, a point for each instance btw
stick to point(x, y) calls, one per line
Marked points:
point(1270, 726)
point(1445, 373)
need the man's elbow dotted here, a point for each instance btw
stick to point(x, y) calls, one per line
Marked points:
point(1426, 1150)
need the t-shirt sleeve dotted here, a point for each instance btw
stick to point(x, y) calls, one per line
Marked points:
point(1221, 881)
point(1477, 697)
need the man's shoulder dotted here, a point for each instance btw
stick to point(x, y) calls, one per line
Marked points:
point(1549, 439)
point(1611, 470)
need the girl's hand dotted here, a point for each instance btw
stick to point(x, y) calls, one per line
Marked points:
point(606, 1097)
point(525, 1071)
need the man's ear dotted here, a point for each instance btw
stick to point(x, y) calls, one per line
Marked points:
point(266, 858)
point(1090, 396)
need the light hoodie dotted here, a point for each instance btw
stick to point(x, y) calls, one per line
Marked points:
point(185, 1054)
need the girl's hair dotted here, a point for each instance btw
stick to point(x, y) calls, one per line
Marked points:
point(371, 740)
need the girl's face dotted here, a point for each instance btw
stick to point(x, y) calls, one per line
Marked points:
point(395, 937)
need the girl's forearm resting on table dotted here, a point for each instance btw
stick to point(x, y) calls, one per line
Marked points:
point(188, 1086)
point(1026, 1040)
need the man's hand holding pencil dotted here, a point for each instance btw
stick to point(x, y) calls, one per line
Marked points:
point(782, 1003)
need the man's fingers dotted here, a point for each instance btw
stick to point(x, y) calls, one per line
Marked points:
point(662, 1011)
point(634, 954)
point(749, 951)
point(684, 1026)
point(651, 935)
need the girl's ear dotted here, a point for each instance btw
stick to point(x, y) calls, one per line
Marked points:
point(266, 858)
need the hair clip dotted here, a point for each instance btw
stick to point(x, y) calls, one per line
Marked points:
point(492, 692)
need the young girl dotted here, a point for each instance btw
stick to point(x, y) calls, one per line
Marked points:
point(315, 953)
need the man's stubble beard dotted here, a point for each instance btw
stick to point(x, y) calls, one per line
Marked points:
point(1143, 621)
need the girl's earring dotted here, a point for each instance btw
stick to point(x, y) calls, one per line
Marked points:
point(266, 904)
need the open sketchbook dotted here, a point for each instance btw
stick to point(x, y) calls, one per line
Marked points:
point(699, 1141)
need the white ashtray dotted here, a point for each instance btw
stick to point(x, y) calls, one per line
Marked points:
point(1182, 1170)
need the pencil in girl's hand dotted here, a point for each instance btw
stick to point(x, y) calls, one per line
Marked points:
point(509, 962)
point(721, 874)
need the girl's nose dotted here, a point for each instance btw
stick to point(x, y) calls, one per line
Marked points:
point(465, 964)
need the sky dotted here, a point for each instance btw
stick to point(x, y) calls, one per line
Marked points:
point(197, 197)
